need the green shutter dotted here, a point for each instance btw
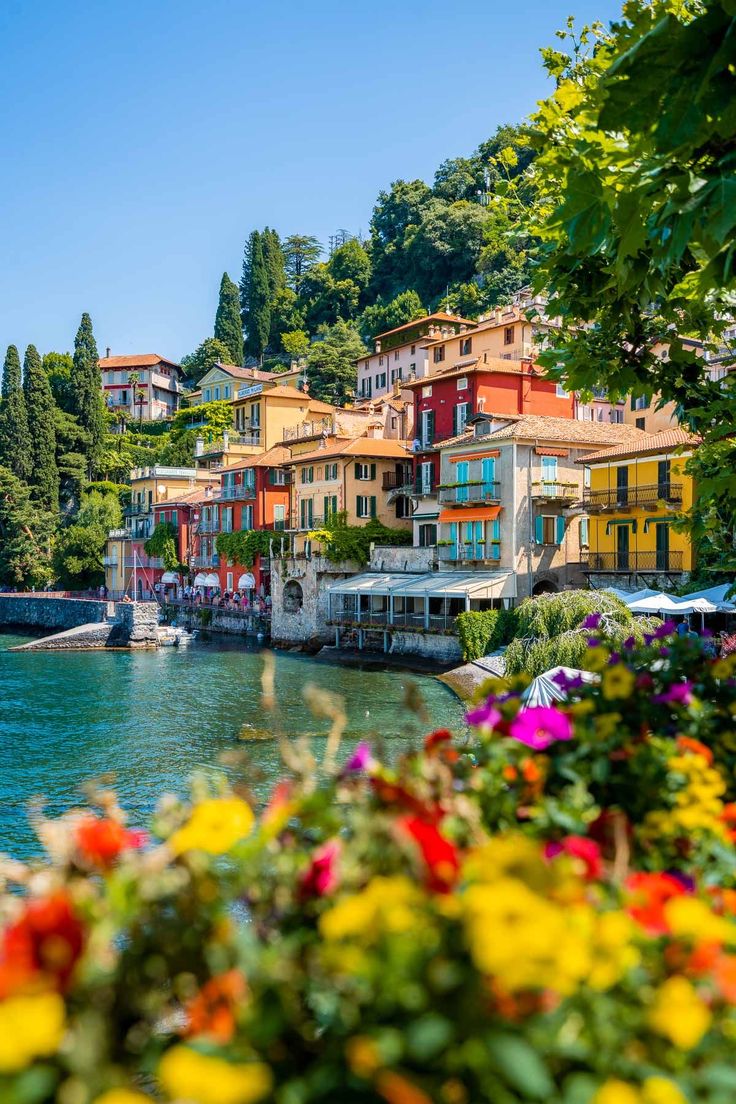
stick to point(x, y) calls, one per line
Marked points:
point(560, 530)
point(539, 530)
point(373, 505)
point(373, 471)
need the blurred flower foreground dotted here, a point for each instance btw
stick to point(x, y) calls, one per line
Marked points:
point(541, 909)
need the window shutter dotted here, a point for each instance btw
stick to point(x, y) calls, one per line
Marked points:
point(454, 420)
point(430, 427)
point(373, 506)
point(560, 530)
point(373, 471)
point(539, 530)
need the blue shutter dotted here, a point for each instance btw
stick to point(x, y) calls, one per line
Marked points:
point(539, 530)
point(453, 538)
point(560, 530)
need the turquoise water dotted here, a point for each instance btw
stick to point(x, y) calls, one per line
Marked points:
point(153, 718)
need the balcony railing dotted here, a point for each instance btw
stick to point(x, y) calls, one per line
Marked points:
point(310, 429)
point(557, 491)
point(209, 525)
point(467, 494)
point(631, 562)
point(466, 553)
point(248, 440)
point(620, 498)
point(237, 492)
point(394, 481)
point(135, 509)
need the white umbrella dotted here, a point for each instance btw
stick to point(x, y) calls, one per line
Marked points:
point(656, 603)
point(544, 690)
point(247, 582)
point(696, 605)
point(717, 595)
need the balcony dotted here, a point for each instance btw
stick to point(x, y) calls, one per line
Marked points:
point(473, 493)
point(424, 487)
point(309, 429)
point(234, 440)
point(137, 509)
point(648, 496)
point(469, 554)
point(212, 560)
point(555, 492)
point(236, 493)
point(209, 525)
point(398, 481)
point(629, 563)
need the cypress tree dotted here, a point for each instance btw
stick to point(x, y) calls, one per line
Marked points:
point(228, 326)
point(87, 401)
point(273, 256)
point(15, 440)
point(42, 427)
point(258, 299)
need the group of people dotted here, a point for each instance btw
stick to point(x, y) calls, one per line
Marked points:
point(245, 601)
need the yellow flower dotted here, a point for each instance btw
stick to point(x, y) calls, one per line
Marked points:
point(679, 1014)
point(385, 905)
point(660, 1090)
point(215, 826)
point(616, 1092)
point(617, 682)
point(596, 659)
point(689, 918)
point(363, 1056)
point(30, 1027)
point(185, 1074)
point(123, 1096)
point(613, 951)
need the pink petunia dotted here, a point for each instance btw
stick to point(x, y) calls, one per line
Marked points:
point(485, 716)
point(539, 726)
point(679, 693)
point(321, 876)
point(361, 760)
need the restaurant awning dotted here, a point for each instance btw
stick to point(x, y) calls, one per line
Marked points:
point(370, 583)
point(212, 580)
point(200, 579)
point(247, 582)
point(621, 521)
point(471, 513)
point(433, 584)
point(169, 577)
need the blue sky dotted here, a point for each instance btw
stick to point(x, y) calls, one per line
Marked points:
point(142, 142)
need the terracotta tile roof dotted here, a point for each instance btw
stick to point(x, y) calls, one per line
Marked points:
point(439, 316)
point(543, 427)
point(664, 441)
point(489, 364)
point(376, 447)
point(274, 457)
point(138, 360)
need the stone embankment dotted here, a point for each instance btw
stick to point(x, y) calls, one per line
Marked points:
point(81, 623)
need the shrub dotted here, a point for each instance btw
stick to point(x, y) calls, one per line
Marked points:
point(483, 631)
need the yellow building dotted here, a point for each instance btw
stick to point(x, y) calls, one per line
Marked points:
point(351, 476)
point(633, 494)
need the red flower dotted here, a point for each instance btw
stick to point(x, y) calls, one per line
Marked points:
point(436, 738)
point(648, 894)
point(101, 840)
point(212, 1011)
point(393, 793)
point(42, 946)
point(578, 847)
point(439, 855)
point(321, 877)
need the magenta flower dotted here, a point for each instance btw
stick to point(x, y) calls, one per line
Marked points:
point(592, 621)
point(539, 726)
point(321, 876)
point(680, 693)
point(361, 760)
point(484, 716)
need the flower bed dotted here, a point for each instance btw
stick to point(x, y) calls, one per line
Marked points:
point(544, 910)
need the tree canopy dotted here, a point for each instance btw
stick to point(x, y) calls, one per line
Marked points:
point(40, 407)
point(15, 438)
point(86, 394)
point(228, 324)
point(331, 362)
point(210, 352)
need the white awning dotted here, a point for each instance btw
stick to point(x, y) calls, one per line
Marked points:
point(169, 577)
point(655, 603)
point(716, 594)
point(246, 582)
point(212, 580)
point(200, 580)
point(432, 584)
point(371, 583)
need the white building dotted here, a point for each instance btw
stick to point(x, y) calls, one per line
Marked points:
point(401, 354)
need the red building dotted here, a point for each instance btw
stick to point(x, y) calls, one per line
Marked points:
point(253, 495)
point(444, 401)
point(184, 513)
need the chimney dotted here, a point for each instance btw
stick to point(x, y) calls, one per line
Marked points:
point(397, 388)
point(305, 385)
point(107, 351)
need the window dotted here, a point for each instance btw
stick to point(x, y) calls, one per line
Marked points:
point(227, 391)
point(246, 517)
point(462, 383)
point(365, 471)
point(330, 505)
point(396, 355)
point(427, 536)
point(396, 374)
point(217, 393)
point(229, 581)
point(307, 475)
point(508, 335)
point(641, 423)
point(488, 476)
point(403, 507)
point(639, 402)
point(549, 473)
point(561, 392)
point(207, 394)
point(427, 392)
point(277, 477)
point(124, 398)
point(279, 517)
point(255, 415)
point(549, 529)
point(462, 470)
point(413, 350)
point(306, 513)
point(584, 532)
point(459, 417)
point(331, 471)
point(426, 477)
point(394, 423)
point(439, 354)
point(227, 519)
point(466, 346)
point(365, 506)
point(381, 380)
point(380, 361)
point(495, 539)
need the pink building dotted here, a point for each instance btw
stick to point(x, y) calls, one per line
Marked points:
point(146, 386)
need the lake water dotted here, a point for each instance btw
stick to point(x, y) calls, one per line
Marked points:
point(154, 717)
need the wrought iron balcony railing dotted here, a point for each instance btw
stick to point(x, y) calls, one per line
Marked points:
point(632, 562)
point(623, 498)
point(469, 494)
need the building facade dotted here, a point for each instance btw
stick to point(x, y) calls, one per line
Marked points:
point(145, 387)
point(401, 354)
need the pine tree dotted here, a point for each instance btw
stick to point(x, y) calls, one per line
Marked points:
point(44, 478)
point(15, 440)
point(257, 298)
point(86, 389)
point(228, 325)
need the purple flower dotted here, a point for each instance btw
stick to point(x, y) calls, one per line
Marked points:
point(679, 693)
point(484, 716)
point(593, 641)
point(629, 643)
point(539, 726)
point(567, 682)
point(592, 621)
point(614, 657)
point(664, 652)
point(665, 629)
point(360, 760)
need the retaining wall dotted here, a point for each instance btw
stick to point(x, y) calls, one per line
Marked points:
point(51, 613)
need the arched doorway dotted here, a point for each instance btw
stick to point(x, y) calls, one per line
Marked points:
point(293, 597)
point(545, 586)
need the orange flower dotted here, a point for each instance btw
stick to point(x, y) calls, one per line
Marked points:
point(510, 773)
point(212, 1011)
point(395, 1089)
point(686, 743)
point(100, 840)
point(725, 975)
point(647, 895)
point(41, 947)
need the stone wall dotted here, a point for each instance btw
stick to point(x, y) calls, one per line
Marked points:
point(137, 625)
point(396, 558)
point(443, 649)
point(51, 613)
point(299, 598)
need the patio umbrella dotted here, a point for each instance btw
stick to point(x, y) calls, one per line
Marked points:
point(656, 603)
point(545, 690)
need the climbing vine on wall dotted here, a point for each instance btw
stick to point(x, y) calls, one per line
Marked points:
point(244, 546)
point(162, 544)
point(341, 541)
